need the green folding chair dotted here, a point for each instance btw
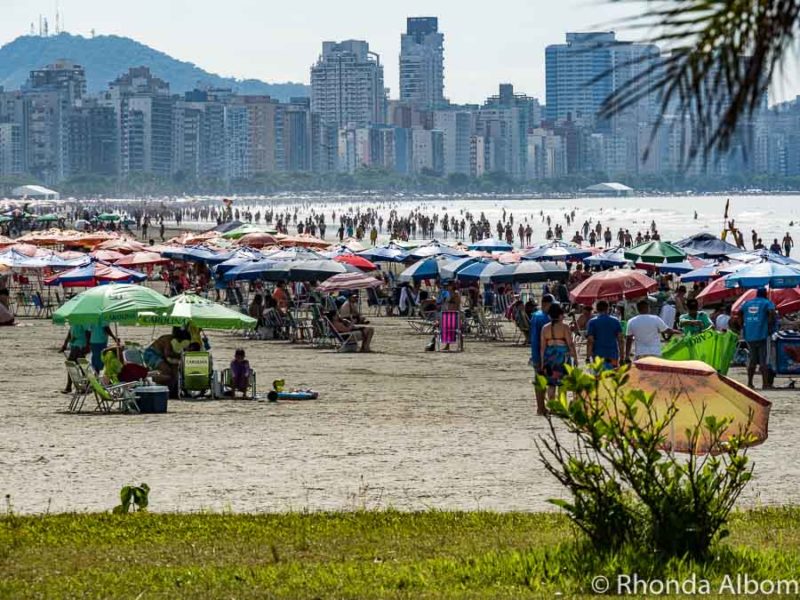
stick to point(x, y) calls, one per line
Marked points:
point(195, 377)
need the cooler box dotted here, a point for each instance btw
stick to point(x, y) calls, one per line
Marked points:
point(152, 399)
point(786, 352)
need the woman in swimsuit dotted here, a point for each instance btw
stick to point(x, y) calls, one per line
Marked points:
point(556, 347)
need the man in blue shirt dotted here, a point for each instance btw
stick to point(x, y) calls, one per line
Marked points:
point(538, 320)
point(604, 337)
point(758, 320)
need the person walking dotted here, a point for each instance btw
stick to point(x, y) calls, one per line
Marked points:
point(539, 319)
point(646, 331)
point(758, 320)
point(788, 244)
point(604, 337)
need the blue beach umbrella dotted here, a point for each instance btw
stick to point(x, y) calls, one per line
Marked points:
point(765, 274)
point(250, 270)
point(530, 272)
point(449, 269)
point(389, 253)
point(557, 251)
point(436, 248)
point(427, 268)
point(479, 271)
point(605, 260)
point(491, 245)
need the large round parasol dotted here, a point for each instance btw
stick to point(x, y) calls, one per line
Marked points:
point(204, 313)
point(114, 302)
point(612, 286)
point(656, 252)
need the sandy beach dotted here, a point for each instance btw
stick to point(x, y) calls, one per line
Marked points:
point(399, 428)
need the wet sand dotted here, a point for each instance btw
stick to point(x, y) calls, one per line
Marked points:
point(399, 428)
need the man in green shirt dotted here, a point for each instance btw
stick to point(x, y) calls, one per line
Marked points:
point(694, 321)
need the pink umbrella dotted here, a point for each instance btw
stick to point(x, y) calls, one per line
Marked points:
point(106, 255)
point(140, 259)
point(348, 281)
point(257, 240)
point(125, 246)
point(716, 292)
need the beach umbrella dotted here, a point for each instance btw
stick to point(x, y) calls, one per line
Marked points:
point(698, 391)
point(141, 259)
point(614, 257)
point(426, 268)
point(390, 253)
point(295, 254)
point(93, 274)
point(706, 245)
point(106, 255)
point(656, 252)
point(435, 248)
point(47, 218)
point(685, 266)
point(5, 219)
point(702, 274)
point(201, 312)
point(558, 251)
point(491, 245)
point(122, 245)
point(509, 258)
point(252, 270)
point(108, 217)
point(26, 249)
point(112, 303)
point(348, 281)
point(257, 240)
point(353, 244)
point(717, 292)
point(764, 274)
point(5, 241)
point(305, 241)
point(247, 229)
point(763, 255)
point(449, 269)
point(786, 300)
point(317, 270)
point(529, 271)
point(354, 260)
point(613, 286)
point(202, 254)
point(480, 270)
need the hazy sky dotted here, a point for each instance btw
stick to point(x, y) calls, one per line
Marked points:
point(486, 42)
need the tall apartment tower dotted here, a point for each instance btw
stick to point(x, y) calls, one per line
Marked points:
point(347, 85)
point(582, 73)
point(422, 63)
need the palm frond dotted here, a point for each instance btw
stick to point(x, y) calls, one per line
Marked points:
point(720, 56)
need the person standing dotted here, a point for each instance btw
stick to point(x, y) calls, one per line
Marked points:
point(604, 337)
point(539, 319)
point(758, 320)
point(694, 321)
point(557, 348)
point(78, 342)
point(788, 244)
point(98, 340)
point(646, 331)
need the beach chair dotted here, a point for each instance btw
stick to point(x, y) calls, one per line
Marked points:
point(226, 379)
point(488, 329)
point(319, 335)
point(450, 331)
point(343, 342)
point(195, 376)
point(523, 327)
point(108, 396)
point(376, 302)
point(80, 383)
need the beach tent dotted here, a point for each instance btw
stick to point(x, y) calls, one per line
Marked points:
point(112, 303)
point(705, 245)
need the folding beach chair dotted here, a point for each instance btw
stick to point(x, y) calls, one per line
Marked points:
point(343, 342)
point(523, 326)
point(80, 383)
point(450, 330)
point(108, 396)
point(376, 302)
point(195, 376)
point(226, 378)
point(488, 329)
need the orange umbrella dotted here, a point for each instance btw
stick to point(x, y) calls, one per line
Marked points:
point(106, 255)
point(256, 240)
point(125, 246)
point(698, 391)
point(305, 241)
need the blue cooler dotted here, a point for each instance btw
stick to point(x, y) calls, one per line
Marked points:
point(786, 354)
point(152, 398)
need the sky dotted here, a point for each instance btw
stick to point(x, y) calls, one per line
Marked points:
point(486, 43)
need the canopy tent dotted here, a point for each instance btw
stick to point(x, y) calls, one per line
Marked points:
point(35, 191)
point(491, 245)
point(656, 252)
point(558, 251)
point(705, 245)
point(201, 312)
point(613, 286)
point(112, 303)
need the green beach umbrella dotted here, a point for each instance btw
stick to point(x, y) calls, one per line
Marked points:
point(235, 234)
point(47, 218)
point(108, 217)
point(203, 313)
point(655, 252)
point(111, 303)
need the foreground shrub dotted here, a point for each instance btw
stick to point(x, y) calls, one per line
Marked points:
point(626, 483)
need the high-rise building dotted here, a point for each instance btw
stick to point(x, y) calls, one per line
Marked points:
point(93, 139)
point(64, 76)
point(422, 63)
point(297, 135)
point(457, 127)
point(584, 72)
point(12, 161)
point(347, 85)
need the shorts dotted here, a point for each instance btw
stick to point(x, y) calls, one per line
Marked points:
point(356, 335)
point(75, 353)
point(758, 353)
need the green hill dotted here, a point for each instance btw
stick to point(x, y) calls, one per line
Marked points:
point(108, 56)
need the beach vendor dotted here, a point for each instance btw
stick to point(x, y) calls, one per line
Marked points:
point(98, 341)
point(694, 321)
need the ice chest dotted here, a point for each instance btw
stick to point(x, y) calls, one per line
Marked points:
point(152, 399)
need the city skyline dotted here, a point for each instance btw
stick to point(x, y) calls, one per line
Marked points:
point(506, 45)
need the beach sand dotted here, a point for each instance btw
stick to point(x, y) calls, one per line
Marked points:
point(399, 428)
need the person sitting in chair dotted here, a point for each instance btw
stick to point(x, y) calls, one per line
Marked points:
point(240, 373)
point(351, 311)
point(357, 333)
point(164, 356)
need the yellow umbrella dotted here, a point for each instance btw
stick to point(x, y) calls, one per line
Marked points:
point(698, 391)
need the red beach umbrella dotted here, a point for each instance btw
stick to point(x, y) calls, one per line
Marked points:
point(786, 301)
point(716, 292)
point(356, 261)
point(612, 286)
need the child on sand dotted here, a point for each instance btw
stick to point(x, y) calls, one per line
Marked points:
point(240, 372)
